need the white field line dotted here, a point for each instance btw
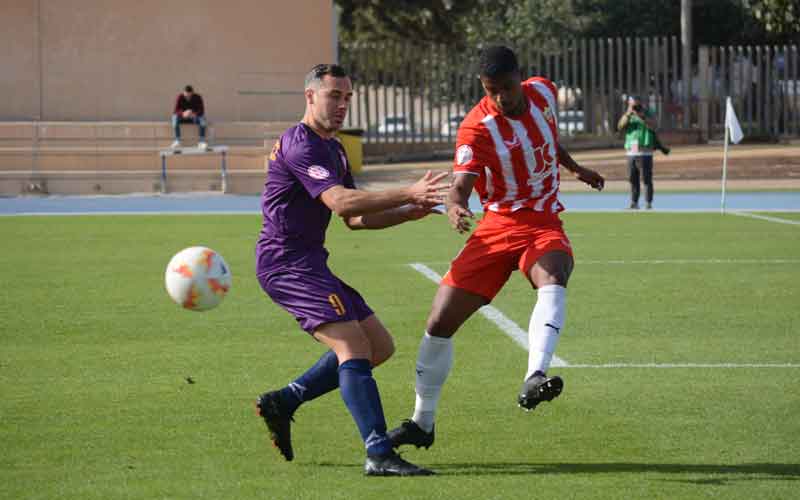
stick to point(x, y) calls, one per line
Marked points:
point(687, 365)
point(771, 219)
point(692, 261)
point(676, 261)
point(493, 314)
point(521, 338)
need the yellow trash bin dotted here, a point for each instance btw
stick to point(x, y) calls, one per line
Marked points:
point(353, 146)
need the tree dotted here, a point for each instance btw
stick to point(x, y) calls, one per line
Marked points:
point(779, 17)
point(458, 22)
point(424, 21)
point(715, 22)
point(537, 23)
point(531, 24)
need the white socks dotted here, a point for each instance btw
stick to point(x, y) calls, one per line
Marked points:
point(545, 326)
point(433, 365)
point(436, 353)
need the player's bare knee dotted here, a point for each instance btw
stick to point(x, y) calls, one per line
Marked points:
point(381, 354)
point(355, 347)
point(550, 279)
point(346, 354)
point(437, 327)
point(552, 269)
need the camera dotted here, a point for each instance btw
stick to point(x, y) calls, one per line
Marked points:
point(638, 108)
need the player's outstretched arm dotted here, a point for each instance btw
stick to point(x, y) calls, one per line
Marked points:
point(586, 175)
point(391, 217)
point(458, 212)
point(427, 192)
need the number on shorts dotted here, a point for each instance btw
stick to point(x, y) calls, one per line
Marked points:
point(336, 302)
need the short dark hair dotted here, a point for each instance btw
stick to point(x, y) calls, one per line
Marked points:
point(318, 72)
point(188, 88)
point(497, 60)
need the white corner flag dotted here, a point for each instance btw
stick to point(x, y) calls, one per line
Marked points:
point(732, 123)
point(733, 131)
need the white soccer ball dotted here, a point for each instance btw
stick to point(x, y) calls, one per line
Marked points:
point(198, 278)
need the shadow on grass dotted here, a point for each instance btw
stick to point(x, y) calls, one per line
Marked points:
point(729, 472)
point(721, 473)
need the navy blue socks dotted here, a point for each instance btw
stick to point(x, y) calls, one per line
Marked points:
point(360, 394)
point(320, 379)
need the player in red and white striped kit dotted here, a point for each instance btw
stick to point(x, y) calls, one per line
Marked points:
point(507, 149)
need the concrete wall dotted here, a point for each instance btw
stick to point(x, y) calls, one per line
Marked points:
point(110, 60)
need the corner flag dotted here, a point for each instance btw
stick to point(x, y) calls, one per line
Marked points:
point(732, 123)
point(734, 131)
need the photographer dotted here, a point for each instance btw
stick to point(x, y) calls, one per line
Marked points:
point(639, 125)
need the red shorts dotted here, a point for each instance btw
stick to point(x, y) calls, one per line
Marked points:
point(502, 243)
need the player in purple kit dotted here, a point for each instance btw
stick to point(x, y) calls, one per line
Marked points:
point(309, 178)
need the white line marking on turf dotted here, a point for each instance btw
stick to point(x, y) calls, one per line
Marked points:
point(688, 365)
point(255, 211)
point(771, 219)
point(521, 338)
point(493, 314)
point(676, 261)
point(692, 261)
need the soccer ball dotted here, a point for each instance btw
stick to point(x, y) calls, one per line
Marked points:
point(198, 278)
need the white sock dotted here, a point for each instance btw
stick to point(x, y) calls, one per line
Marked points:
point(545, 326)
point(433, 365)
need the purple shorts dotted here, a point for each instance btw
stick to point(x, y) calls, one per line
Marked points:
point(314, 296)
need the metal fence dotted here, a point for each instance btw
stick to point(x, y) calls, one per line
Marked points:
point(764, 83)
point(409, 93)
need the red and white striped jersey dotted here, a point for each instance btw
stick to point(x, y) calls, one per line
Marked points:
point(515, 158)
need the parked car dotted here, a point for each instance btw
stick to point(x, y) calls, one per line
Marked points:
point(570, 121)
point(450, 127)
point(394, 124)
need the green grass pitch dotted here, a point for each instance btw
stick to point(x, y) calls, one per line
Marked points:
point(94, 401)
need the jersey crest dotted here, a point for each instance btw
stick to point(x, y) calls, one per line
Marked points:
point(273, 155)
point(548, 114)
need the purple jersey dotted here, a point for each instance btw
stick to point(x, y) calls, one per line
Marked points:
point(291, 260)
point(301, 166)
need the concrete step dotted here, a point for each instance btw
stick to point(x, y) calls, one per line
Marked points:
point(148, 181)
point(77, 158)
point(155, 134)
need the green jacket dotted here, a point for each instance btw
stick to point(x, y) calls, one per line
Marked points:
point(637, 132)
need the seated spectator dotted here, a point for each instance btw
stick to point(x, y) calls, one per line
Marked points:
point(189, 108)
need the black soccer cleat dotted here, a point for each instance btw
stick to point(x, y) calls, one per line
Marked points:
point(391, 464)
point(279, 423)
point(539, 388)
point(410, 433)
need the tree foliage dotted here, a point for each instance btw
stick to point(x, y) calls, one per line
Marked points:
point(714, 22)
point(536, 23)
point(426, 21)
point(779, 17)
point(530, 23)
point(458, 22)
